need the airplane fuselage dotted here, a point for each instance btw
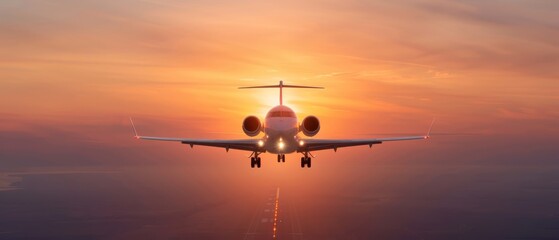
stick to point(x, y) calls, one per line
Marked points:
point(281, 128)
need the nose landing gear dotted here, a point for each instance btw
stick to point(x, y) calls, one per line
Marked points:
point(281, 157)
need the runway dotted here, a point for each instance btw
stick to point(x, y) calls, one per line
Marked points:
point(275, 218)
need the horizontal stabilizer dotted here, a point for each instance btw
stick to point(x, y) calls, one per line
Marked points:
point(281, 86)
point(284, 86)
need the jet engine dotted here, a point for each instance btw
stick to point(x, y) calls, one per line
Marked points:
point(310, 126)
point(252, 126)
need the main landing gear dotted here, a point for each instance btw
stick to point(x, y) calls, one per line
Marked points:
point(281, 157)
point(255, 161)
point(306, 160)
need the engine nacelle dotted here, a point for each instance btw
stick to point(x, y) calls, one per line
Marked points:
point(252, 126)
point(310, 126)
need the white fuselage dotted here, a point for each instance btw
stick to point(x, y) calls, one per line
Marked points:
point(281, 128)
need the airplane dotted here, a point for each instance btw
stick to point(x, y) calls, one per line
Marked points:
point(282, 136)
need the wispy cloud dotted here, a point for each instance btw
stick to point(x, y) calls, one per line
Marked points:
point(76, 69)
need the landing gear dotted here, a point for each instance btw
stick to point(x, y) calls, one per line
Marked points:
point(306, 161)
point(281, 157)
point(255, 161)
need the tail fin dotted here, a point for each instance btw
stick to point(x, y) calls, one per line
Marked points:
point(281, 86)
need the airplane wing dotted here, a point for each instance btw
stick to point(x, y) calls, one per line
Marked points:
point(238, 144)
point(324, 144)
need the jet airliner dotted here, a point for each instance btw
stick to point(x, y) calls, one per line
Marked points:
point(281, 134)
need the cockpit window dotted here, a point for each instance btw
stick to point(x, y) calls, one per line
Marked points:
point(281, 114)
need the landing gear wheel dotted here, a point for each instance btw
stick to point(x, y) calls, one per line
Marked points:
point(305, 161)
point(258, 162)
point(279, 158)
point(283, 157)
point(252, 162)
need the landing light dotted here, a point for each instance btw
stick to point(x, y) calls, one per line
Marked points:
point(281, 145)
point(301, 143)
point(260, 143)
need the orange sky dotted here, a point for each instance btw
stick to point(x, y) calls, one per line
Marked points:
point(78, 69)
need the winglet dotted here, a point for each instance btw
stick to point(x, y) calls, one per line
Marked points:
point(134, 128)
point(431, 127)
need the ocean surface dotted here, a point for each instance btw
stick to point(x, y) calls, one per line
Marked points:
point(398, 201)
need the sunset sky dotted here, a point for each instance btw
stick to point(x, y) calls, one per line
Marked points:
point(72, 72)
